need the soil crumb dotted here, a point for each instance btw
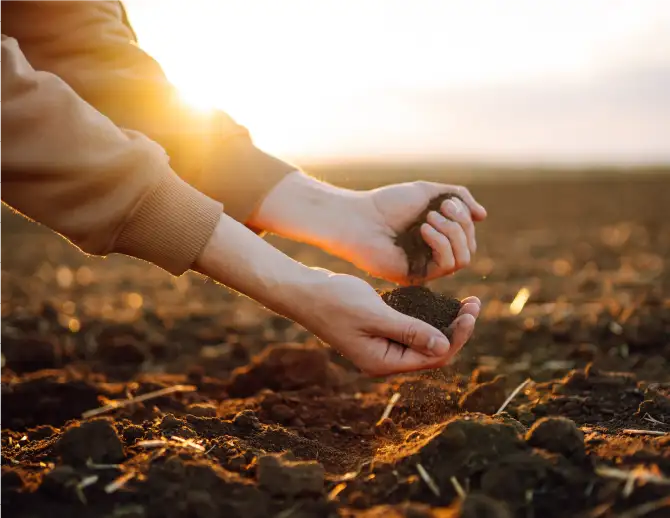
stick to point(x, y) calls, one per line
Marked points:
point(420, 302)
point(416, 249)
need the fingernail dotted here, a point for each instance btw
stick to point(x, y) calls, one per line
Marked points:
point(453, 208)
point(439, 347)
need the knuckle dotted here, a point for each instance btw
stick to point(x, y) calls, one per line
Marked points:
point(410, 334)
point(453, 230)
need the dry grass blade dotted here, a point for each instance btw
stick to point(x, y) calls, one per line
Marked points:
point(154, 443)
point(119, 482)
point(336, 491)
point(428, 480)
point(638, 474)
point(645, 509)
point(188, 442)
point(651, 419)
point(174, 441)
point(389, 407)
point(144, 397)
point(87, 481)
point(631, 431)
point(457, 487)
point(92, 465)
point(519, 301)
point(513, 395)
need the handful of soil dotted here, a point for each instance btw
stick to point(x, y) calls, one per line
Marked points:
point(420, 302)
point(416, 249)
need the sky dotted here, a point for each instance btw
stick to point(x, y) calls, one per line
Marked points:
point(550, 81)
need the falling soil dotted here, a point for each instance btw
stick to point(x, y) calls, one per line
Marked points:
point(418, 252)
point(279, 426)
point(420, 302)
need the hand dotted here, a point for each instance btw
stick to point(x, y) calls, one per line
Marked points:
point(348, 314)
point(343, 311)
point(361, 227)
point(381, 214)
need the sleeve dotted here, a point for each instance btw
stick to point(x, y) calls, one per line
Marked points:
point(91, 47)
point(70, 168)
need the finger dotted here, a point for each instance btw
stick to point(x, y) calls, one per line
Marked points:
point(457, 211)
point(462, 329)
point(443, 255)
point(476, 209)
point(412, 332)
point(471, 306)
point(392, 358)
point(453, 231)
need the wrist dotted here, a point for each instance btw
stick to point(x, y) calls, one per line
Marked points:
point(305, 209)
point(239, 259)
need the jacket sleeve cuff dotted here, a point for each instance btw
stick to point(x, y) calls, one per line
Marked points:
point(240, 175)
point(170, 226)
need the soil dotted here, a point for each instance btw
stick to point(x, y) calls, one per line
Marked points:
point(420, 302)
point(419, 254)
point(273, 424)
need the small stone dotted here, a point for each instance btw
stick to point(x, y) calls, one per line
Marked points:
point(202, 410)
point(557, 435)
point(289, 478)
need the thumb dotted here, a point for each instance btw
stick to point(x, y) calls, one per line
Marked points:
point(414, 333)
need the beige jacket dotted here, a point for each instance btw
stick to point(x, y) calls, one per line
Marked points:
point(93, 134)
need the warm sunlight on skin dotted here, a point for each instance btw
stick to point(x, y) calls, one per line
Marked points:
point(322, 78)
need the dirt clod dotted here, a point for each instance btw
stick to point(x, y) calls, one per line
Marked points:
point(557, 435)
point(420, 302)
point(202, 410)
point(289, 478)
point(485, 397)
point(418, 253)
point(477, 505)
point(286, 367)
point(247, 420)
point(96, 440)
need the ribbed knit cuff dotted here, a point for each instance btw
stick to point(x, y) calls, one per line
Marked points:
point(171, 226)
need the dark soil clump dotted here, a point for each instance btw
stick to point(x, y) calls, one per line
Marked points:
point(486, 397)
point(416, 249)
point(557, 435)
point(420, 302)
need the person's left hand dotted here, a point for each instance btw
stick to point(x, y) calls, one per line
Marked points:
point(361, 226)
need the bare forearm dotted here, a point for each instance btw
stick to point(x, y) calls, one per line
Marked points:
point(239, 259)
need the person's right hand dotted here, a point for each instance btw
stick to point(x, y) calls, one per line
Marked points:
point(349, 315)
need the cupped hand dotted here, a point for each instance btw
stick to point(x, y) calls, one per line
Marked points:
point(349, 315)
